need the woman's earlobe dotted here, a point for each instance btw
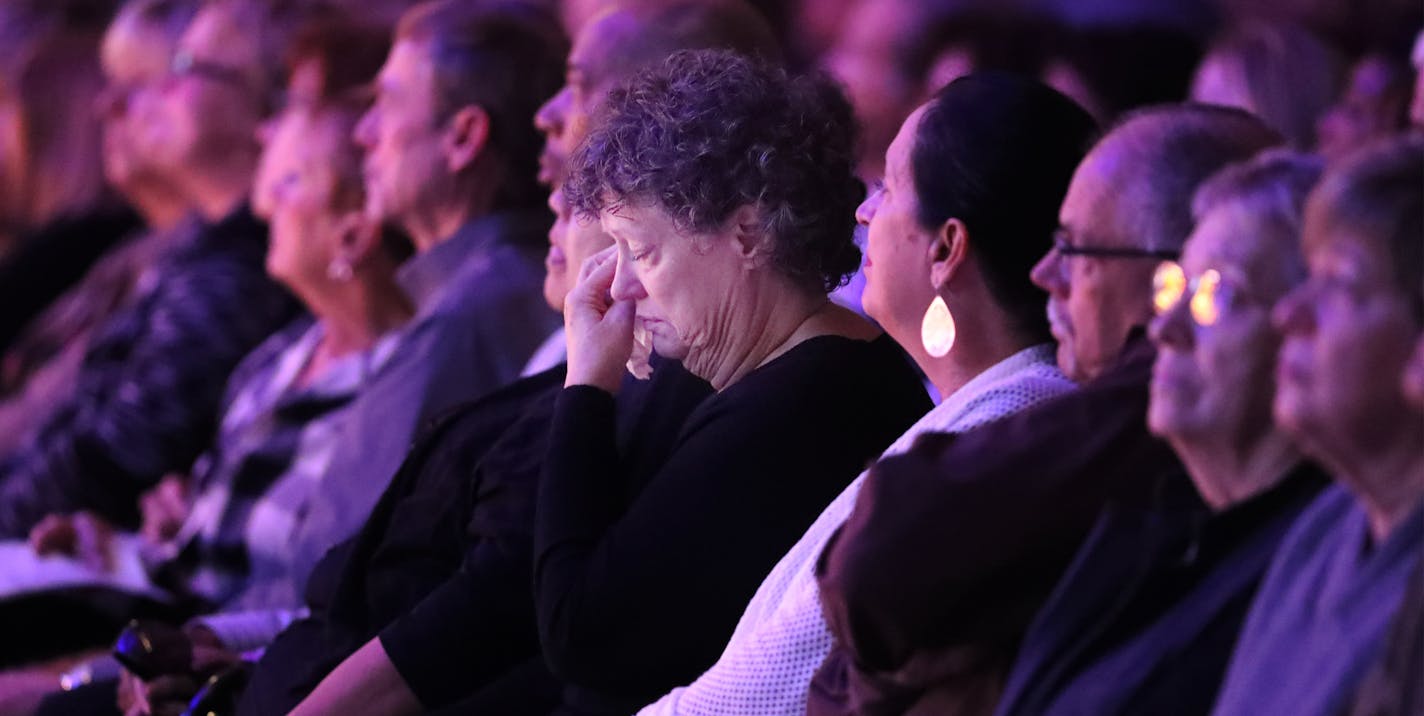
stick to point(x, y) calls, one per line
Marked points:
point(359, 237)
point(748, 238)
point(948, 249)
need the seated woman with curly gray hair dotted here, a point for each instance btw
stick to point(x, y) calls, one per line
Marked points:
point(727, 187)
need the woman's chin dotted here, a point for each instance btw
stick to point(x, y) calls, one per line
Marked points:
point(669, 348)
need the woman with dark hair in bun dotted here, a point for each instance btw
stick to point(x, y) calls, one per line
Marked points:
point(728, 190)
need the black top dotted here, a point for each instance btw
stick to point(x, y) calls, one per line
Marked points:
point(441, 569)
point(639, 585)
point(1146, 617)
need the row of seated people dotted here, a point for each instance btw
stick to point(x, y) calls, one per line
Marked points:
point(1094, 528)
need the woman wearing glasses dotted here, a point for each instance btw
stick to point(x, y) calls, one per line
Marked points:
point(1144, 620)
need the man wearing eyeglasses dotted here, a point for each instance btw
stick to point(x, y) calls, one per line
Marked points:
point(1125, 212)
point(952, 547)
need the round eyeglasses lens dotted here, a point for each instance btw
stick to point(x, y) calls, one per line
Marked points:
point(1205, 311)
point(1169, 282)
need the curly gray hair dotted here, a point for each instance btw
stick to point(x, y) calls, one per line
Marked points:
point(711, 131)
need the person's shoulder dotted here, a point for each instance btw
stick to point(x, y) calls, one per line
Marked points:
point(833, 378)
point(270, 350)
point(829, 356)
point(491, 289)
point(1328, 518)
point(482, 420)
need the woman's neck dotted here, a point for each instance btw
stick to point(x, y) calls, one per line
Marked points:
point(753, 332)
point(985, 337)
point(356, 314)
point(1229, 472)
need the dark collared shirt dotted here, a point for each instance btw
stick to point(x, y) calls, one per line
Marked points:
point(148, 394)
point(1144, 620)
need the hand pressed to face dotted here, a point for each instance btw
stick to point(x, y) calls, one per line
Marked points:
point(599, 327)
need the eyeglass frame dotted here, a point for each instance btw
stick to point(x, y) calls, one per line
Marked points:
point(1229, 294)
point(185, 64)
point(1061, 245)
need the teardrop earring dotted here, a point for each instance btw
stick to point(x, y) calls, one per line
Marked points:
point(937, 328)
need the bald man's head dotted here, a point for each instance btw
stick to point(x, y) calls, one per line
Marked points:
point(1128, 207)
point(629, 37)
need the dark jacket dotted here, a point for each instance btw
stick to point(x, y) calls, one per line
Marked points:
point(441, 569)
point(1145, 619)
point(953, 546)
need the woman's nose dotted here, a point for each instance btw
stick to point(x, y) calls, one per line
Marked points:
point(866, 211)
point(626, 286)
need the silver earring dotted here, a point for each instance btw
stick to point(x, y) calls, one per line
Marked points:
point(937, 328)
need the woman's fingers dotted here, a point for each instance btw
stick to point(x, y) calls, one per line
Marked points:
point(54, 533)
point(599, 329)
point(164, 508)
point(94, 535)
point(589, 298)
point(607, 258)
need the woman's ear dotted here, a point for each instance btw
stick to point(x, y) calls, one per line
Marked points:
point(466, 136)
point(948, 250)
point(748, 238)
